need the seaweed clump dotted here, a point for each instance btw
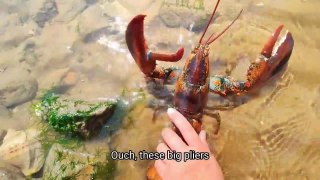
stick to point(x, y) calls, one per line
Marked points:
point(106, 169)
point(65, 163)
point(74, 117)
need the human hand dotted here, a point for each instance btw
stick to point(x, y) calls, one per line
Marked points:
point(191, 169)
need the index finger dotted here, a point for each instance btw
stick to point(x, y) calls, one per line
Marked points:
point(187, 131)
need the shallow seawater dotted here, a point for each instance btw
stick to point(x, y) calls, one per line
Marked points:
point(80, 46)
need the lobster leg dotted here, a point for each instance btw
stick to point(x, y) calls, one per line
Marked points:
point(144, 57)
point(273, 58)
point(216, 116)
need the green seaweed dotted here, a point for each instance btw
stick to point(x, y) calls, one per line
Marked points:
point(50, 106)
point(101, 169)
point(48, 137)
point(105, 170)
point(55, 128)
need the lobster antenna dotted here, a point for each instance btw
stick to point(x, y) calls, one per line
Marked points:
point(216, 37)
point(214, 11)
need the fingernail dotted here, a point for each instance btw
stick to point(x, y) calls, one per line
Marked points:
point(171, 110)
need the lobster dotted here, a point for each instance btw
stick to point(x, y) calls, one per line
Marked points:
point(193, 83)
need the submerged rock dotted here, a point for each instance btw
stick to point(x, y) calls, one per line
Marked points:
point(91, 2)
point(2, 135)
point(8, 172)
point(64, 163)
point(17, 88)
point(97, 34)
point(191, 19)
point(29, 56)
point(75, 118)
point(4, 112)
point(48, 11)
point(68, 80)
point(22, 149)
point(68, 11)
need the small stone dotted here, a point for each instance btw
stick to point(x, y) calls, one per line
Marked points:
point(29, 55)
point(171, 19)
point(22, 149)
point(74, 164)
point(70, 79)
point(8, 172)
point(191, 19)
point(16, 87)
point(97, 34)
point(47, 12)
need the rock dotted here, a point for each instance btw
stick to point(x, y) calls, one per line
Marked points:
point(170, 19)
point(8, 172)
point(91, 19)
point(22, 149)
point(2, 135)
point(64, 163)
point(57, 165)
point(75, 117)
point(69, 79)
point(110, 35)
point(29, 55)
point(70, 9)
point(47, 12)
point(97, 34)
point(193, 20)
point(12, 34)
point(16, 87)
point(91, 2)
point(4, 112)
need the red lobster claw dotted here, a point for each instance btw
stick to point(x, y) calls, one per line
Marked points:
point(144, 57)
point(273, 58)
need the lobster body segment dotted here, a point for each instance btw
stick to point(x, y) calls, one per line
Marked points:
point(192, 86)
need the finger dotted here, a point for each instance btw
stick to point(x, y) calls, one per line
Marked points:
point(162, 147)
point(173, 141)
point(160, 167)
point(203, 136)
point(187, 131)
